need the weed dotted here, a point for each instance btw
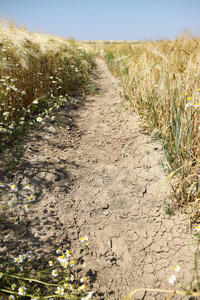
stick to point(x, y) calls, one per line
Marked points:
point(168, 209)
point(121, 203)
point(57, 277)
point(38, 73)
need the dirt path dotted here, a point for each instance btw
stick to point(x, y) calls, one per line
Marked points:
point(103, 178)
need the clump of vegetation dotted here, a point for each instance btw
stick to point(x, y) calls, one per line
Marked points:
point(38, 72)
point(162, 81)
point(55, 278)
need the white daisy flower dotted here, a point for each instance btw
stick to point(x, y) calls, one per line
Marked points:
point(29, 254)
point(51, 263)
point(54, 273)
point(27, 207)
point(18, 260)
point(177, 268)
point(27, 187)
point(83, 239)
point(58, 251)
point(72, 263)
point(188, 104)
point(82, 287)
point(31, 197)
point(13, 187)
point(22, 291)
point(22, 256)
point(67, 253)
point(62, 258)
point(11, 126)
point(60, 291)
point(172, 279)
point(20, 207)
point(39, 119)
point(64, 263)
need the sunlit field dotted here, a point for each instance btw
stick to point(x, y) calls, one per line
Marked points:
point(38, 73)
point(162, 82)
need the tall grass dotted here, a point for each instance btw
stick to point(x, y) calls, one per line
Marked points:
point(37, 73)
point(37, 70)
point(162, 81)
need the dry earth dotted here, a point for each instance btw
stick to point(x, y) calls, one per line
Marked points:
point(104, 178)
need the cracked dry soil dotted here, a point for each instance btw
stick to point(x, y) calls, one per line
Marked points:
point(103, 178)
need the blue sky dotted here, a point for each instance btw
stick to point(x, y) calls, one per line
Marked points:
point(105, 19)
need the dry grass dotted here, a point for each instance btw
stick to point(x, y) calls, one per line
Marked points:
point(36, 70)
point(22, 37)
point(162, 81)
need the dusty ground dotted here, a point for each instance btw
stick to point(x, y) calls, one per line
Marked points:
point(104, 178)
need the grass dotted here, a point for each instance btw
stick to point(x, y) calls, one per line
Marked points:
point(38, 73)
point(168, 209)
point(162, 82)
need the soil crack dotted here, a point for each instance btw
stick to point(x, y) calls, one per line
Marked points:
point(103, 178)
